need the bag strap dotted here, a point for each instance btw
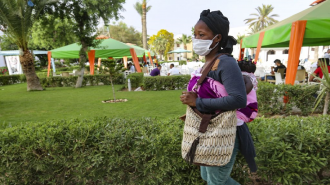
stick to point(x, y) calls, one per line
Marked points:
point(208, 68)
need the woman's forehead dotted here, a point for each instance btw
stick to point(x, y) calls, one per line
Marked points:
point(201, 26)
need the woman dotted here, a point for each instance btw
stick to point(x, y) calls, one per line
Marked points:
point(211, 39)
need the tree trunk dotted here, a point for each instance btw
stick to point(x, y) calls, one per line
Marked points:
point(83, 60)
point(33, 83)
point(326, 103)
point(185, 54)
point(144, 24)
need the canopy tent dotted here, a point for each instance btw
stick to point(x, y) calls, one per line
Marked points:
point(310, 27)
point(180, 50)
point(106, 49)
point(146, 53)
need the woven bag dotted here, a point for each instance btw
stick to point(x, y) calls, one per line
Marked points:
point(215, 146)
point(208, 139)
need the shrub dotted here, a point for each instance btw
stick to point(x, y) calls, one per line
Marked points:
point(270, 98)
point(158, 83)
point(92, 80)
point(292, 150)
point(181, 62)
point(11, 79)
point(136, 80)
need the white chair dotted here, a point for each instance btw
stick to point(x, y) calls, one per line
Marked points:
point(300, 76)
point(278, 79)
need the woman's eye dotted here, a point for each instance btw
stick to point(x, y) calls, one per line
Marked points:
point(201, 35)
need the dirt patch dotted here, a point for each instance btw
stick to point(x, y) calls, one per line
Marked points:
point(114, 101)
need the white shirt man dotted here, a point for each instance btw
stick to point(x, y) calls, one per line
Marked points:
point(327, 54)
point(173, 70)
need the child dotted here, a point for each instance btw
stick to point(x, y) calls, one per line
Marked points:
point(213, 89)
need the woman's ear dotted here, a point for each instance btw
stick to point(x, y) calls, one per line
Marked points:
point(218, 38)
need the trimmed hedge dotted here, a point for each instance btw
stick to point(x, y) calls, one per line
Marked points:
point(12, 79)
point(136, 80)
point(88, 79)
point(292, 150)
point(158, 83)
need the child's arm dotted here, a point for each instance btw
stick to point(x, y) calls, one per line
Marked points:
point(248, 84)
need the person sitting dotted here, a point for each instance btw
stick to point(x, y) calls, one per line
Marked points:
point(279, 65)
point(173, 70)
point(318, 71)
point(131, 67)
point(156, 71)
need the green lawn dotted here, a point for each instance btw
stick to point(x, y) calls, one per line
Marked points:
point(19, 106)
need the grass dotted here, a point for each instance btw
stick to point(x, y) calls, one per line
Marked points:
point(19, 106)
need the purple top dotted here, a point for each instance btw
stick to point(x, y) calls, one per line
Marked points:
point(155, 72)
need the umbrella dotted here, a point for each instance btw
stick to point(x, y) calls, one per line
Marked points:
point(180, 50)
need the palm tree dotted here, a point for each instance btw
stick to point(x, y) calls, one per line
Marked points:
point(16, 20)
point(142, 9)
point(263, 17)
point(325, 88)
point(184, 40)
point(159, 46)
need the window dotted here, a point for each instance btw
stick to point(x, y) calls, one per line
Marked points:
point(270, 52)
point(170, 58)
point(286, 51)
point(312, 49)
point(177, 45)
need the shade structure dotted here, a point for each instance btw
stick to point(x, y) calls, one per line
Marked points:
point(107, 48)
point(180, 50)
point(317, 30)
point(145, 51)
point(310, 27)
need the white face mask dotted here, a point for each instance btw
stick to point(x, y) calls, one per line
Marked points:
point(202, 47)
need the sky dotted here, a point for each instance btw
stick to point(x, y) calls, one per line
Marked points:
point(179, 16)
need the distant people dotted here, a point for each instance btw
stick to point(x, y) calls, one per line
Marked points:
point(156, 71)
point(327, 54)
point(173, 70)
point(318, 71)
point(188, 60)
point(279, 65)
point(131, 67)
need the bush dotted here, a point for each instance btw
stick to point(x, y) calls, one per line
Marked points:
point(92, 80)
point(181, 62)
point(12, 79)
point(158, 83)
point(292, 150)
point(136, 80)
point(270, 98)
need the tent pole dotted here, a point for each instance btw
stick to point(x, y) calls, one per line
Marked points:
point(261, 38)
point(241, 51)
point(49, 54)
point(144, 58)
point(125, 62)
point(91, 58)
point(150, 58)
point(296, 41)
point(135, 60)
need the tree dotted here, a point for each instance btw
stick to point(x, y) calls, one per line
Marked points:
point(263, 17)
point(86, 15)
point(16, 20)
point(161, 40)
point(143, 9)
point(50, 33)
point(123, 33)
point(184, 40)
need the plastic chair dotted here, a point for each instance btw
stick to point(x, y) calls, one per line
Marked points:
point(278, 79)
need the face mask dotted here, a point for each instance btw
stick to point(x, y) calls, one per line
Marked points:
point(202, 47)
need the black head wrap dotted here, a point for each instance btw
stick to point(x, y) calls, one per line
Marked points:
point(219, 24)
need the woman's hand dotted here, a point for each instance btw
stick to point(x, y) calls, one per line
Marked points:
point(189, 98)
